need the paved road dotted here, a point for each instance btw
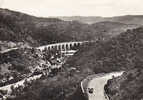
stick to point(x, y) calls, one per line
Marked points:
point(97, 83)
point(20, 83)
point(8, 50)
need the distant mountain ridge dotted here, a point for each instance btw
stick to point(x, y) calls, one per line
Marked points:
point(127, 19)
point(86, 19)
point(112, 28)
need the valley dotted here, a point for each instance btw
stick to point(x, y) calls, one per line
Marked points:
point(70, 58)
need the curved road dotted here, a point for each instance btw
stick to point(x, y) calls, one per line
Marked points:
point(95, 84)
point(19, 83)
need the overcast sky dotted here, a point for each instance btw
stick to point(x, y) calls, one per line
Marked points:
point(47, 8)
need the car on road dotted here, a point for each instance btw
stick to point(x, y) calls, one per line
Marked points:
point(90, 90)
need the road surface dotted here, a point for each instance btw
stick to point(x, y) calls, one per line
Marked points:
point(19, 83)
point(93, 86)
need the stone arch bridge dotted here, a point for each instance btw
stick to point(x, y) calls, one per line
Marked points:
point(65, 46)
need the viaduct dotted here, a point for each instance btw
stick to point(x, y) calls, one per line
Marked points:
point(65, 46)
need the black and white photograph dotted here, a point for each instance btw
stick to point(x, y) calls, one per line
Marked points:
point(71, 50)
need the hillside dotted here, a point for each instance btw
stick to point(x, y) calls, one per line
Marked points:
point(82, 19)
point(17, 64)
point(120, 53)
point(112, 28)
point(19, 27)
point(129, 86)
point(127, 19)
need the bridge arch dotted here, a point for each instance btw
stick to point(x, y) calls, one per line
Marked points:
point(71, 45)
point(67, 47)
point(59, 47)
point(63, 47)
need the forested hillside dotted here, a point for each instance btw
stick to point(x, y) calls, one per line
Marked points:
point(129, 86)
point(122, 50)
point(120, 53)
point(19, 27)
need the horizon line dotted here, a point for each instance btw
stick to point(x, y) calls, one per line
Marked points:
point(56, 16)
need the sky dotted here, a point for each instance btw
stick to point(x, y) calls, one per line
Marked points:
point(47, 8)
